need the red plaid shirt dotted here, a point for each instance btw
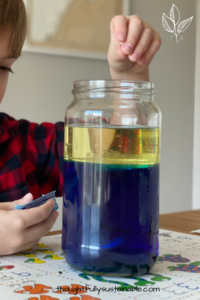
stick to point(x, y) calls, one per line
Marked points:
point(31, 158)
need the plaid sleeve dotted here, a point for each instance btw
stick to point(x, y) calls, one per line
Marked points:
point(43, 145)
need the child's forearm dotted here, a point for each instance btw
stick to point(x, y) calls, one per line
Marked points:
point(144, 76)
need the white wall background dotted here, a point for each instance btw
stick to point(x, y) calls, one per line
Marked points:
point(196, 161)
point(41, 88)
point(173, 72)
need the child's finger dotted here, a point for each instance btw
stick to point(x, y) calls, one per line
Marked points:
point(38, 230)
point(11, 205)
point(29, 217)
point(135, 28)
point(143, 43)
point(151, 51)
point(24, 247)
point(26, 199)
point(118, 27)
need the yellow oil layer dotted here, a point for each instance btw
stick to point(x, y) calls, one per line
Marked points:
point(127, 146)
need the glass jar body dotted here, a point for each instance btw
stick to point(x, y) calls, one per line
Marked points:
point(111, 178)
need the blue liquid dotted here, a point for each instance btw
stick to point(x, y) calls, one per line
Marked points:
point(111, 217)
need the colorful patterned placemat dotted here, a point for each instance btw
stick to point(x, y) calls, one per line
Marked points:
point(41, 273)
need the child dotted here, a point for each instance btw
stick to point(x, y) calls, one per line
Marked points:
point(31, 155)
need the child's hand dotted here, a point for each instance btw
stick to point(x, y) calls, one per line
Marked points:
point(133, 45)
point(22, 229)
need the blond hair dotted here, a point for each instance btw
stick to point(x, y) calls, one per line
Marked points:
point(13, 18)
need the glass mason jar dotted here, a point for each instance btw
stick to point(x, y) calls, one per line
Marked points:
point(111, 178)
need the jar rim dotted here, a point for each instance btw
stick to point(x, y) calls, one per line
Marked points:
point(115, 86)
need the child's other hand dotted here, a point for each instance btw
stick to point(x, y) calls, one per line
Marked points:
point(22, 229)
point(133, 45)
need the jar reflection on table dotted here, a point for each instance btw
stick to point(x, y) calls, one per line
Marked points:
point(111, 180)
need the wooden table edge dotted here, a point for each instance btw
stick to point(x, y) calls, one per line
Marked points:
point(183, 222)
point(192, 233)
point(54, 232)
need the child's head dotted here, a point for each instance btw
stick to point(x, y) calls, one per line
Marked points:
point(12, 36)
point(13, 19)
